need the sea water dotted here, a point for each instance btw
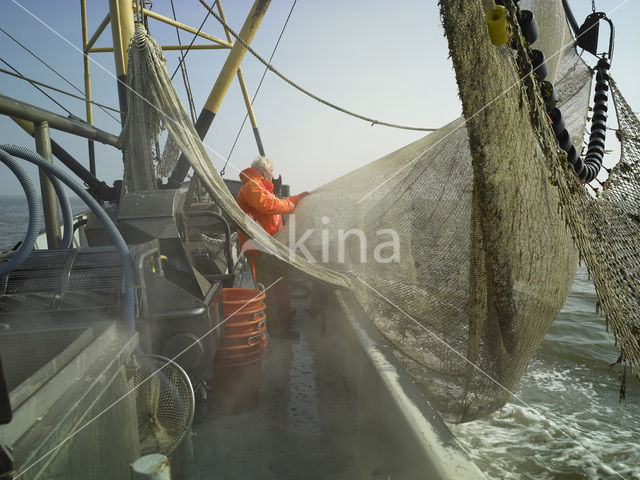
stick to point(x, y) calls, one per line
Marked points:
point(565, 420)
point(14, 218)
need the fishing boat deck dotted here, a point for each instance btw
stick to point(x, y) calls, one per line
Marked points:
point(330, 407)
point(302, 427)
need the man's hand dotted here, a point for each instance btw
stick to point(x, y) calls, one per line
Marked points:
point(303, 194)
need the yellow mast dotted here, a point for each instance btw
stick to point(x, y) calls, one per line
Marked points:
point(220, 88)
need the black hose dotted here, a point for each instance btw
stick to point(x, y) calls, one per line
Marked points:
point(595, 151)
point(587, 169)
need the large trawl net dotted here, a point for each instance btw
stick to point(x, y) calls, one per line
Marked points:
point(463, 245)
point(485, 258)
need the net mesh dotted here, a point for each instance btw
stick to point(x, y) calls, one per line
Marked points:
point(164, 404)
point(607, 231)
point(463, 245)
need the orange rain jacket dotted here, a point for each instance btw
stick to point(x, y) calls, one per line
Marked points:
point(257, 200)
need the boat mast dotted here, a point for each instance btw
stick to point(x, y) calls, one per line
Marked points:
point(122, 29)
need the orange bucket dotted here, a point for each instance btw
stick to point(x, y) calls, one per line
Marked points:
point(255, 325)
point(238, 361)
point(234, 315)
point(245, 349)
point(241, 297)
point(244, 338)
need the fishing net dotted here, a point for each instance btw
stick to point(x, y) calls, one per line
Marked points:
point(607, 229)
point(513, 251)
point(462, 246)
point(138, 136)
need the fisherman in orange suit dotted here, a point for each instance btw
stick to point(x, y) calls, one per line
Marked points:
point(256, 199)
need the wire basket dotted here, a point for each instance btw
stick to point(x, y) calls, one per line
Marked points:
point(164, 402)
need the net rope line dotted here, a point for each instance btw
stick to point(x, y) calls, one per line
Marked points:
point(195, 36)
point(125, 395)
point(59, 74)
point(259, 85)
point(477, 367)
point(270, 67)
point(182, 63)
point(210, 10)
point(33, 84)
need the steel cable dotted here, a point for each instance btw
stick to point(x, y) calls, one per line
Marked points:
point(306, 92)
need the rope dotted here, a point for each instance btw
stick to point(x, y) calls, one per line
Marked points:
point(183, 64)
point(58, 74)
point(19, 75)
point(306, 92)
point(194, 38)
point(35, 82)
point(258, 89)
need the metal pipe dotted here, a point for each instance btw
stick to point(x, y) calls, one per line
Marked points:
point(186, 28)
point(165, 47)
point(570, 18)
point(247, 99)
point(101, 189)
point(87, 84)
point(122, 29)
point(47, 193)
point(98, 32)
point(236, 55)
point(222, 84)
point(191, 312)
point(16, 108)
point(227, 229)
point(245, 92)
point(139, 267)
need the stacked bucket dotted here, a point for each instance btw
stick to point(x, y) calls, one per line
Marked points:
point(238, 360)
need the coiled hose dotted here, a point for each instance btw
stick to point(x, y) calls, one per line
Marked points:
point(128, 272)
point(35, 212)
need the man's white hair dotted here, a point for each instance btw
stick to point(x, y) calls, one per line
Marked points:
point(262, 164)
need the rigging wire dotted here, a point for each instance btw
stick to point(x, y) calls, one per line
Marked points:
point(306, 92)
point(19, 75)
point(257, 89)
point(210, 9)
point(36, 82)
point(183, 67)
point(102, 107)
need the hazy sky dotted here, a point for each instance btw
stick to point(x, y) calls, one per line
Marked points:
point(386, 60)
